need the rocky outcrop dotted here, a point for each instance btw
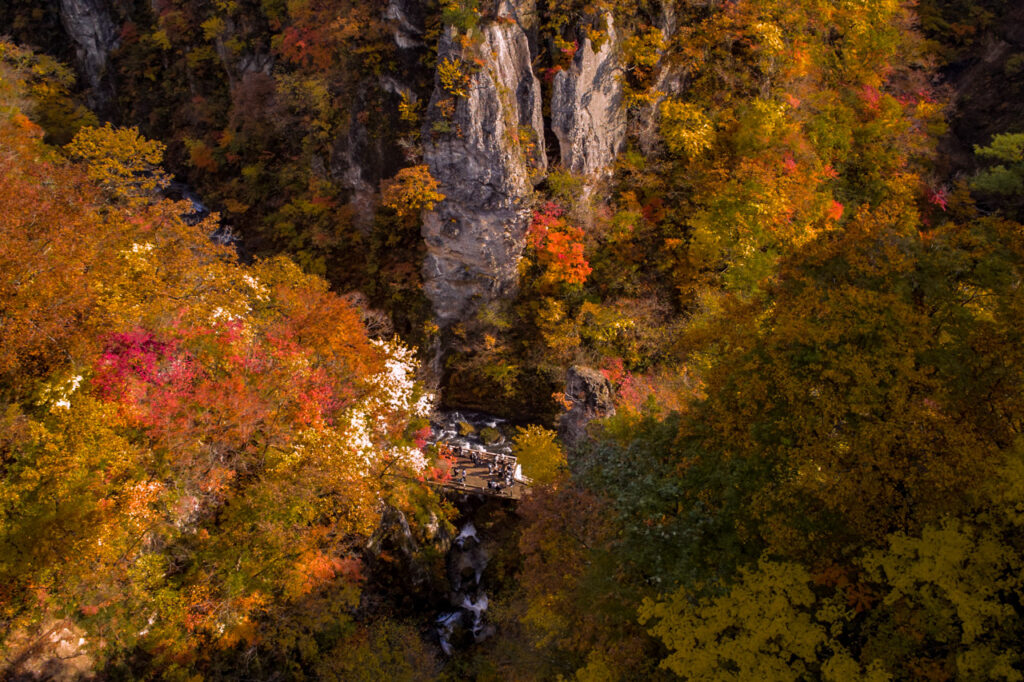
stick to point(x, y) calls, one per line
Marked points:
point(395, 538)
point(56, 650)
point(987, 90)
point(484, 144)
point(592, 397)
point(406, 23)
point(377, 322)
point(369, 151)
point(92, 31)
point(587, 114)
point(525, 14)
point(669, 79)
point(255, 62)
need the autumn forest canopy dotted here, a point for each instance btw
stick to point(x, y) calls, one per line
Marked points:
point(742, 279)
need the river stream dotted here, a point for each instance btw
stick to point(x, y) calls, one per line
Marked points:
point(465, 622)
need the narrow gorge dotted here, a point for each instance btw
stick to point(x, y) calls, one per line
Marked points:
point(511, 340)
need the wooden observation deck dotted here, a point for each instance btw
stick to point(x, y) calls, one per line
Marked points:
point(479, 472)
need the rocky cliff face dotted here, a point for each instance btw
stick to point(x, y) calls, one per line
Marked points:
point(669, 77)
point(987, 88)
point(368, 153)
point(484, 144)
point(587, 115)
point(592, 397)
point(370, 150)
point(394, 536)
point(406, 23)
point(92, 31)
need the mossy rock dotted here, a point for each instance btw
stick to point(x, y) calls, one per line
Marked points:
point(490, 436)
point(466, 429)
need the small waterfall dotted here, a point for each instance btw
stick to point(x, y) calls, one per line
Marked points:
point(466, 622)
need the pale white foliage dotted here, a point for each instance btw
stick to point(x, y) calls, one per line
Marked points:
point(222, 314)
point(395, 382)
point(424, 406)
point(258, 289)
point(138, 255)
point(58, 394)
point(394, 398)
point(357, 435)
point(411, 457)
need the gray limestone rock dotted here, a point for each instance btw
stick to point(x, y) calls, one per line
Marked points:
point(406, 26)
point(592, 397)
point(94, 35)
point(587, 114)
point(366, 154)
point(393, 535)
point(486, 150)
point(256, 62)
point(669, 79)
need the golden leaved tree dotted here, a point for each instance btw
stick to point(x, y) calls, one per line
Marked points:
point(193, 449)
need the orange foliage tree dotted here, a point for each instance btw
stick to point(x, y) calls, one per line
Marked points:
point(191, 447)
point(410, 192)
point(558, 247)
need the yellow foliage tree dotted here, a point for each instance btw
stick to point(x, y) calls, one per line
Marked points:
point(121, 161)
point(454, 78)
point(411, 191)
point(936, 605)
point(765, 628)
point(538, 453)
point(685, 128)
point(948, 592)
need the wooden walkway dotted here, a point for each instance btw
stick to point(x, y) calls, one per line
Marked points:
point(480, 472)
